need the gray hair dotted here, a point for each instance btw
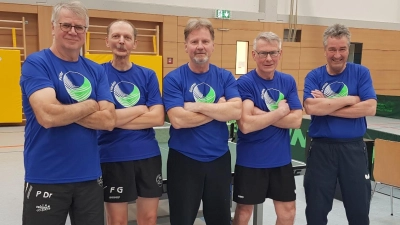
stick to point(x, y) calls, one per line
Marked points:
point(195, 24)
point(135, 31)
point(269, 37)
point(336, 31)
point(74, 6)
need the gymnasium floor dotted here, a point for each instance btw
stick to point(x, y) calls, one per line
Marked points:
point(12, 173)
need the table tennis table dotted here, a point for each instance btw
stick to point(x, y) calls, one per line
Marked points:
point(162, 136)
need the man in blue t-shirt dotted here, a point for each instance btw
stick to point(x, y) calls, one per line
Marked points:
point(130, 156)
point(66, 98)
point(338, 96)
point(199, 98)
point(271, 107)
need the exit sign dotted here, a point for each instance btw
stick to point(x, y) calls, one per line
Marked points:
point(223, 14)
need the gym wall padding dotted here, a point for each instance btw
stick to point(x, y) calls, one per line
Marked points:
point(10, 91)
point(153, 62)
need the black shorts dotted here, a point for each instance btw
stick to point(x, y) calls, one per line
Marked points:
point(125, 181)
point(51, 203)
point(252, 185)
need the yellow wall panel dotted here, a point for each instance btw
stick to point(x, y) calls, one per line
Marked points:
point(149, 61)
point(10, 92)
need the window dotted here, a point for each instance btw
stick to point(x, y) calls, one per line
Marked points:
point(242, 53)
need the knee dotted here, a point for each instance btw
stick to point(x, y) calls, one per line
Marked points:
point(287, 215)
point(243, 212)
point(148, 218)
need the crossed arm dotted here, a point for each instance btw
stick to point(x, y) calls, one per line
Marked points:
point(346, 107)
point(254, 119)
point(194, 114)
point(140, 117)
point(50, 112)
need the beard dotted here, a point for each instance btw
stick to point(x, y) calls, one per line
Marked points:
point(201, 60)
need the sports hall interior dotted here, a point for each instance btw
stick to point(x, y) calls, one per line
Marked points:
point(25, 28)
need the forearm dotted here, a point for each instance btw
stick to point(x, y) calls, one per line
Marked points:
point(126, 115)
point(56, 115)
point(104, 119)
point(181, 118)
point(361, 109)
point(290, 121)
point(100, 120)
point(325, 106)
point(230, 110)
point(255, 122)
point(154, 117)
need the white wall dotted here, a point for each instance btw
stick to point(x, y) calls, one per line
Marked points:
point(365, 10)
point(233, 5)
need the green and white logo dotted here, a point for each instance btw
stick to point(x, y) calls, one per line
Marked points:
point(126, 93)
point(272, 97)
point(77, 86)
point(335, 90)
point(203, 93)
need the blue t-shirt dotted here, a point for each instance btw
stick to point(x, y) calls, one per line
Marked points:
point(208, 141)
point(136, 86)
point(355, 80)
point(268, 147)
point(67, 153)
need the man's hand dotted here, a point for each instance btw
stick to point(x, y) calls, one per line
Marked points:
point(283, 106)
point(221, 100)
point(317, 94)
point(190, 106)
point(92, 104)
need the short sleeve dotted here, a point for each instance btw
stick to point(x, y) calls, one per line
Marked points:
point(245, 87)
point(153, 95)
point(310, 84)
point(34, 76)
point(292, 96)
point(365, 87)
point(231, 88)
point(103, 89)
point(172, 91)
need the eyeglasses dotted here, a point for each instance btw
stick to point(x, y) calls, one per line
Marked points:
point(79, 29)
point(264, 55)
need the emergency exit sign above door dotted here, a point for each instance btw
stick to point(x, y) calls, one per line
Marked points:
point(223, 14)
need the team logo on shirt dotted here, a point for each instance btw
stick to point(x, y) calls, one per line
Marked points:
point(335, 90)
point(203, 93)
point(126, 93)
point(272, 97)
point(77, 85)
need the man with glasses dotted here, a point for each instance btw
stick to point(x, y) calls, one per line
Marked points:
point(66, 98)
point(271, 107)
